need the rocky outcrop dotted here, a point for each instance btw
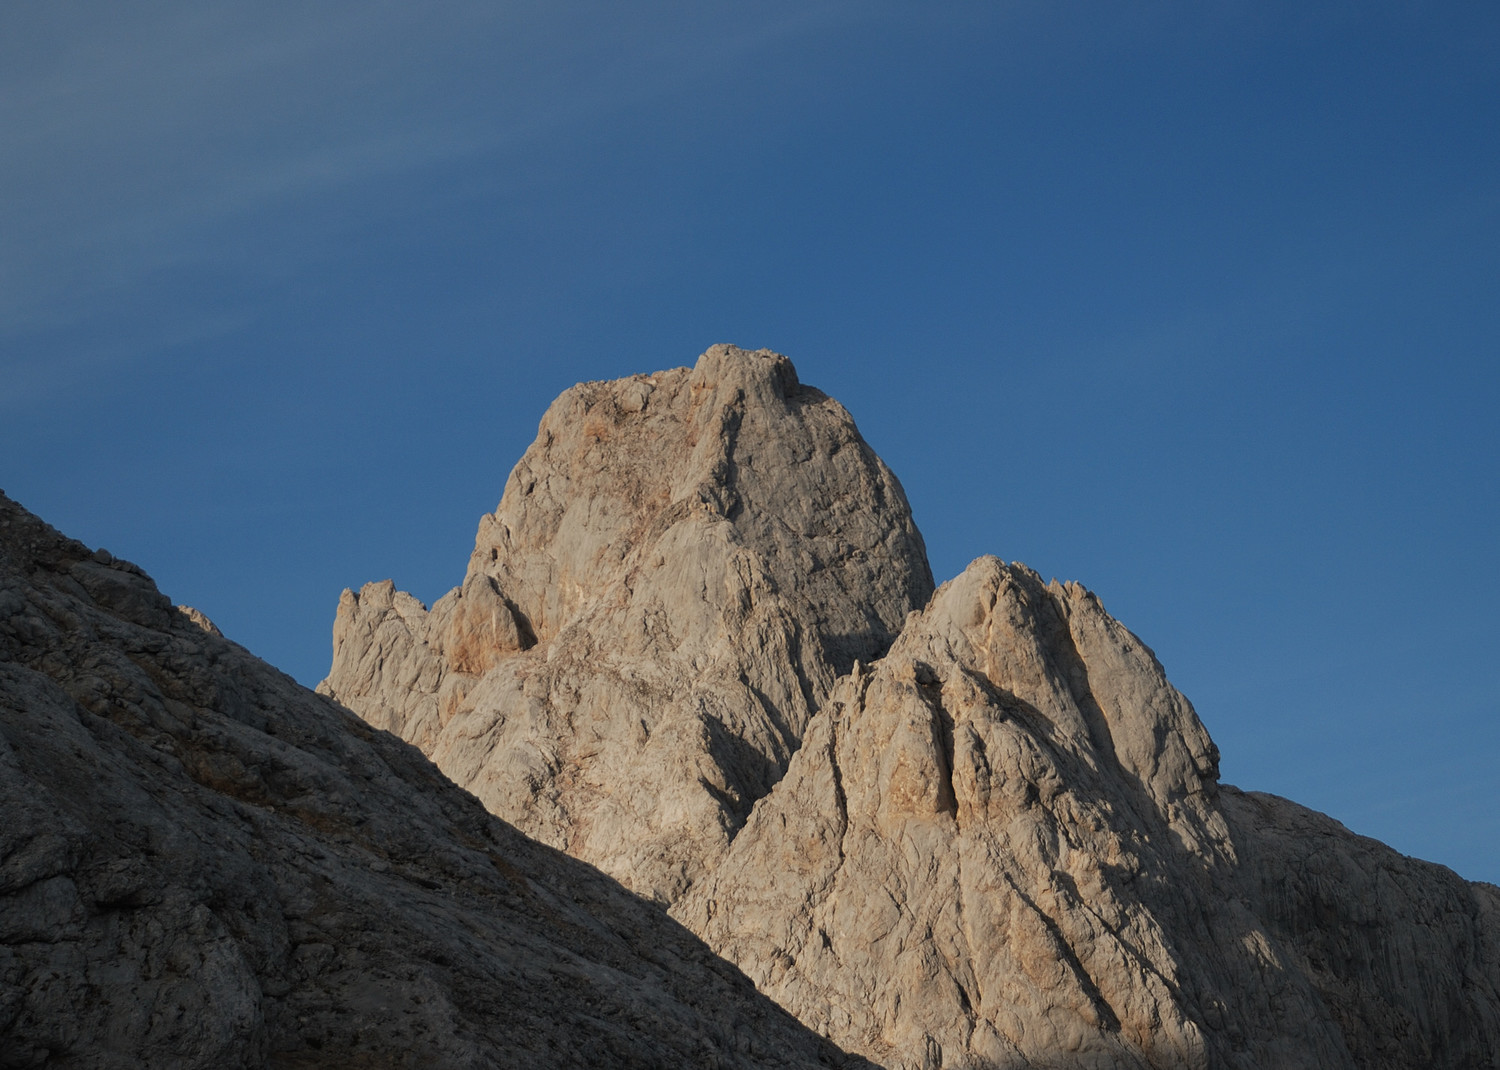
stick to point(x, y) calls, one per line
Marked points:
point(1405, 954)
point(997, 841)
point(680, 567)
point(1004, 845)
point(204, 865)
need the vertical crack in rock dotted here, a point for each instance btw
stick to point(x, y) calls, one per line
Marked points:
point(1104, 1017)
point(841, 801)
point(930, 687)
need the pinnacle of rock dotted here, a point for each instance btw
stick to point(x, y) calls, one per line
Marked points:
point(200, 619)
point(680, 567)
point(1004, 844)
point(695, 647)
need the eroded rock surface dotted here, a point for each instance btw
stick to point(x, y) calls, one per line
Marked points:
point(1405, 953)
point(680, 567)
point(997, 842)
point(204, 865)
point(1004, 845)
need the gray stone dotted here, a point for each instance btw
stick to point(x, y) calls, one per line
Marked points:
point(1004, 845)
point(996, 840)
point(204, 865)
point(680, 567)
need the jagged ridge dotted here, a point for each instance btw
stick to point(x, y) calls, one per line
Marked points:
point(1002, 844)
point(680, 567)
point(1005, 845)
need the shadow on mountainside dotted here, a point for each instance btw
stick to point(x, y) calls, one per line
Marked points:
point(203, 864)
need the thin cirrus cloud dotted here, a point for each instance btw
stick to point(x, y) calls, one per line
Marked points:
point(146, 143)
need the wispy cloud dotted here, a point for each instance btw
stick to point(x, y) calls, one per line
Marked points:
point(141, 143)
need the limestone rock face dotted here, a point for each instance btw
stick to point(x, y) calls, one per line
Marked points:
point(204, 865)
point(680, 567)
point(1004, 845)
point(1405, 954)
point(998, 840)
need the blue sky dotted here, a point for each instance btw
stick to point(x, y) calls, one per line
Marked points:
point(1193, 303)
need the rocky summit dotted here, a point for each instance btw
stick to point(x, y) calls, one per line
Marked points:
point(998, 839)
point(1004, 845)
point(680, 567)
point(729, 739)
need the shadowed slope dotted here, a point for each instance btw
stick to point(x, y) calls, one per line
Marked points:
point(203, 864)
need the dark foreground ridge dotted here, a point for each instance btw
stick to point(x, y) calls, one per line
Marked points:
point(203, 864)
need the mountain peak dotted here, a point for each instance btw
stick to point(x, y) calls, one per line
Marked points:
point(997, 839)
point(679, 568)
